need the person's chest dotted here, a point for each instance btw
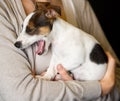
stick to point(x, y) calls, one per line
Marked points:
point(42, 62)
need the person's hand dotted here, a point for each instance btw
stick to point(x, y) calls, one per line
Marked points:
point(108, 81)
point(63, 74)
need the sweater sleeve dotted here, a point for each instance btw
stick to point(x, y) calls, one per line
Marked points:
point(18, 84)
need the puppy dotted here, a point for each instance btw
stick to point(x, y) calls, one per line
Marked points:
point(79, 52)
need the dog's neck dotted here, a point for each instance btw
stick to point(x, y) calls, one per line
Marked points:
point(60, 26)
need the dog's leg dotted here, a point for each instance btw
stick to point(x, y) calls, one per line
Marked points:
point(51, 71)
point(50, 74)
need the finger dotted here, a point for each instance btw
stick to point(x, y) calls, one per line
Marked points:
point(64, 75)
point(57, 77)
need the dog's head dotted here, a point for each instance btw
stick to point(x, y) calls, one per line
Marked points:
point(37, 25)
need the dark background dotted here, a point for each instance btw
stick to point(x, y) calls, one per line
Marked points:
point(107, 12)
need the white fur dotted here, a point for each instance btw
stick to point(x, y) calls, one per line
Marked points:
point(71, 47)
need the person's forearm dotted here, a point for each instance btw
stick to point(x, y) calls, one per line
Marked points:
point(108, 82)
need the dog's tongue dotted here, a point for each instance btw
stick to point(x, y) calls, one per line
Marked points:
point(41, 45)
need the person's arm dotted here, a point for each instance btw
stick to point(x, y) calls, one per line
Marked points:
point(18, 84)
point(108, 81)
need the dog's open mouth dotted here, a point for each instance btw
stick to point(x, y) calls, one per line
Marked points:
point(41, 47)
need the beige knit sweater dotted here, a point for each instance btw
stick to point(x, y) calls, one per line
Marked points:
point(16, 80)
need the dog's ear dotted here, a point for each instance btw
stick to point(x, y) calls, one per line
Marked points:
point(51, 13)
point(41, 5)
point(56, 8)
point(47, 5)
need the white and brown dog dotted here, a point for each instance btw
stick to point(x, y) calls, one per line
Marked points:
point(75, 49)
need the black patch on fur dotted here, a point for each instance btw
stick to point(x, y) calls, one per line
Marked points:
point(47, 5)
point(98, 55)
point(39, 19)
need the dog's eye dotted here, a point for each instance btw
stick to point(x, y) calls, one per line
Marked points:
point(28, 29)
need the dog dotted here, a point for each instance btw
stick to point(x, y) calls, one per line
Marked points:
point(79, 52)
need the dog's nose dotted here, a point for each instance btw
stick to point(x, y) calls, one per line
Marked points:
point(18, 44)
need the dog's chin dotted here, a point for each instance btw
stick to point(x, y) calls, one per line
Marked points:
point(40, 47)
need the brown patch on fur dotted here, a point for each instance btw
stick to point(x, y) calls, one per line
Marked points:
point(60, 4)
point(57, 3)
point(44, 30)
point(46, 6)
point(30, 29)
point(31, 25)
point(41, 5)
